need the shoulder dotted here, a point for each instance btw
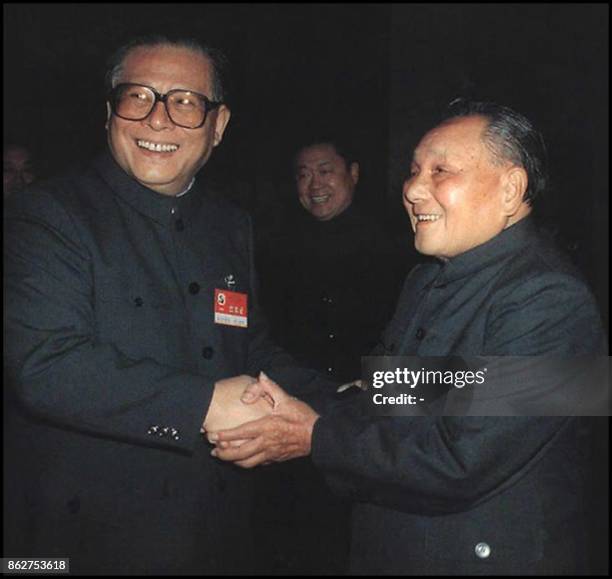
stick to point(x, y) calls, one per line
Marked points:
point(542, 304)
point(48, 204)
point(540, 268)
point(63, 195)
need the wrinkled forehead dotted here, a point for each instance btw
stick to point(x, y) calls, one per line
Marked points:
point(460, 137)
point(166, 64)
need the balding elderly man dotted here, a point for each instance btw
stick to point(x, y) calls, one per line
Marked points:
point(454, 494)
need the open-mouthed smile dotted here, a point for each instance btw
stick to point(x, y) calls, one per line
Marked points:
point(157, 147)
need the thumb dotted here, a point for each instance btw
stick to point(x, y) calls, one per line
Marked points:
point(252, 393)
point(272, 389)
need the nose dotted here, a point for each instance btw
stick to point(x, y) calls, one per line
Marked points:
point(414, 190)
point(158, 118)
point(315, 181)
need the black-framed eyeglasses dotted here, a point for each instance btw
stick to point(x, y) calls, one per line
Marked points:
point(135, 102)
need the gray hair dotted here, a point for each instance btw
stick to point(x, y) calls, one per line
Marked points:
point(216, 58)
point(509, 136)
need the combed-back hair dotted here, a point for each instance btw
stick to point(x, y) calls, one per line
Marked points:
point(342, 146)
point(217, 58)
point(509, 136)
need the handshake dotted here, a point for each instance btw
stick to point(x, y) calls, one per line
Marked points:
point(254, 421)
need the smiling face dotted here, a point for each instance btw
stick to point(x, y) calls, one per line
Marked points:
point(457, 196)
point(182, 152)
point(324, 182)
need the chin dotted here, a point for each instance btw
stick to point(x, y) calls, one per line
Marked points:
point(426, 249)
point(154, 176)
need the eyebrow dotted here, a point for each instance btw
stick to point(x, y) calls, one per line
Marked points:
point(320, 164)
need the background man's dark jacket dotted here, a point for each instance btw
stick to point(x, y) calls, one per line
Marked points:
point(112, 349)
point(431, 489)
point(329, 287)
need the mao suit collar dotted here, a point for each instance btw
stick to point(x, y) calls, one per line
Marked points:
point(507, 243)
point(161, 208)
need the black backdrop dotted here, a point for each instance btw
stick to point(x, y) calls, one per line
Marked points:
point(379, 72)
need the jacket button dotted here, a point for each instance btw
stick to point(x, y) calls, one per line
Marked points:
point(326, 299)
point(138, 302)
point(179, 225)
point(420, 334)
point(331, 336)
point(208, 353)
point(482, 550)
point(194, 288)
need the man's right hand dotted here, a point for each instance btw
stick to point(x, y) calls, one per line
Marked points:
point(226, 410)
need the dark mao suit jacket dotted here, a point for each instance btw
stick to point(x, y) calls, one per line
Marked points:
point(112, 350)
point(471, 495)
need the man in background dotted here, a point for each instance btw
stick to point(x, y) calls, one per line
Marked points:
point(329, 284)
point(18, 170)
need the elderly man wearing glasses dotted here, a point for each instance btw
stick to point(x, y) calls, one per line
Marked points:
point(132, 328)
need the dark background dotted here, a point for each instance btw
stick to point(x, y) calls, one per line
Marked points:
point(379, 73)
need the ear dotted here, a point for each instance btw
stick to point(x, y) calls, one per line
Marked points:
point(221, 119)
point(354, 171)
point(514, 186)
point(108, 115)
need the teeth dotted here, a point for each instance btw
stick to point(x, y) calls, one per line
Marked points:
point(157, 147)
point(428, 217)
point(320, 199)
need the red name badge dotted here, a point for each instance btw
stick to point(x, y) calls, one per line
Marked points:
point(231, 308)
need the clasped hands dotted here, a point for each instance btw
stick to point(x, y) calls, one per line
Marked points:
point(254, 421)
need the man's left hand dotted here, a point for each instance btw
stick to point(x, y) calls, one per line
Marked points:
point(285, 434)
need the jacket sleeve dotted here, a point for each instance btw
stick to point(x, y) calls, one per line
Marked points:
point(61, 372)
point(438, 464)
point(550, 313)
point(428, 465)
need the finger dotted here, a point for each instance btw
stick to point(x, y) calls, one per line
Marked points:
point(247, 430)
point(272, 389)
point(268, 399)
point(231, 444)
point(258, 459)
point(243, 452)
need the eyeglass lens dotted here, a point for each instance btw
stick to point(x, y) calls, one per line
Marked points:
point(135, 102)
